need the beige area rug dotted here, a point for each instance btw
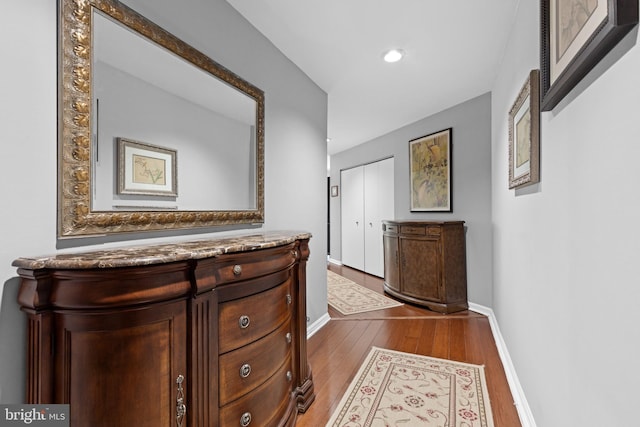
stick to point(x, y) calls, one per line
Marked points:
point(350, 298)
point(402, 389)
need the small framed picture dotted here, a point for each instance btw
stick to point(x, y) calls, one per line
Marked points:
point(334, 191)
point(146, 169)
point(524, 134)
point(430, 168)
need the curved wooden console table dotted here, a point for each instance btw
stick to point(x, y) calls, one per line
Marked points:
point(201, 333)
point(425, 263)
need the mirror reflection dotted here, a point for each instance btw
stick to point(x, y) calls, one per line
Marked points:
point(144, 93)
point(153, 134)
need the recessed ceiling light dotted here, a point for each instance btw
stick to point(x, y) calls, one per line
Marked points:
point(393, 55)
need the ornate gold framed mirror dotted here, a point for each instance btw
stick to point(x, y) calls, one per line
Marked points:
point(197, 153)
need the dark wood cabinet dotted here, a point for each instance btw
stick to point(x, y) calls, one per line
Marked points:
point(96, 357)
point(425, 263)
point(126, 337)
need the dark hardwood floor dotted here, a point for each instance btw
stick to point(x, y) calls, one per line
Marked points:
point(336, 351)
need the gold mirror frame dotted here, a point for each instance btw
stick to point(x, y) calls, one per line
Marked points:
point(75, 217)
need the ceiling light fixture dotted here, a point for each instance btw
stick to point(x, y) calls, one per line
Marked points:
point(393, 55)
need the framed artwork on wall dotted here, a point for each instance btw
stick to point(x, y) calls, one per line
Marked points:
point(146, 169)
point(574, 36)
point(430, 172)
point(524, 134)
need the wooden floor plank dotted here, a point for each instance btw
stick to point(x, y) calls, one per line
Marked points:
point(441, 339)
point(458, 339)
point(425, 344)
point(412, 333)
point(476, 341)
point(337, 350)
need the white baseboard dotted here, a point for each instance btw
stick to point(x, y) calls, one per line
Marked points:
point(317, 325)
point(333, 261)
point(520, 401)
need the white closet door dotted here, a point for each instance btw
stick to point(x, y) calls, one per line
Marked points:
point(352, 217)
point(378, 206)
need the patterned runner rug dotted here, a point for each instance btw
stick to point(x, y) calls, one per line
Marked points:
point(402, 389)
point(350, 298)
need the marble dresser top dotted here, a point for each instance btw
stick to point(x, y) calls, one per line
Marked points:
point(161, 253)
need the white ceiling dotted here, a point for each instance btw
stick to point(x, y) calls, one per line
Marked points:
point(453, 49)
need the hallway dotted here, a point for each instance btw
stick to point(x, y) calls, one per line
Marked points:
point(341, 345)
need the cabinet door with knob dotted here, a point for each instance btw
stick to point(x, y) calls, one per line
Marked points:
point(127, 369)
point(391, 261)
point(110, 342)
point(420, 266)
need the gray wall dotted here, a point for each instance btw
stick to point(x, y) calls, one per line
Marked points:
point(566, 250)
point(471, 139)
point(295, 146)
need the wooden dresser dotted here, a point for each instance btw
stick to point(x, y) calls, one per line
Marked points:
point(202, 333)
point(425, 263)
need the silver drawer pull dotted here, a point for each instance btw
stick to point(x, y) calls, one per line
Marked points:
point(289, 300)
point(245, 370)
point(244, 322)
point(289, 376)
point(237, 269)
point(288, 337)
point(245, 419)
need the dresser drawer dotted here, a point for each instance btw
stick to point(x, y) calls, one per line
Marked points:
point(264, 406)
point(413, 230)
point(390, 228)
point(244, 369)
point(235, 267)
point(434, 230)
point(247, 319)
point(256, 264)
